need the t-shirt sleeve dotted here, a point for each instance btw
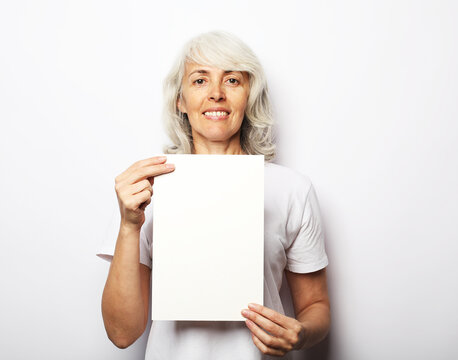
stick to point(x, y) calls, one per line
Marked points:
point(307, 250)
point(107, 247)
point(146, 237)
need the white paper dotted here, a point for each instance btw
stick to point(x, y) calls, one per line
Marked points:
point(208, 237)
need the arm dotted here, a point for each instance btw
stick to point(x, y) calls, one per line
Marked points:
point(125, 297)
point(311, 304)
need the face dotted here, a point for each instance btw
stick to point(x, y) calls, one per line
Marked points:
point(214, 100)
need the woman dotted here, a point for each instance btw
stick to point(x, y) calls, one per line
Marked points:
point(216, 102)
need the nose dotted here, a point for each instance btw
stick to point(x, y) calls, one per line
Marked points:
point(216, 93)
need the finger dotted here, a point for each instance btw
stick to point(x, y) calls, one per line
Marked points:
point(149, 171)
point(274, 316)
point(145, 204)
point(139, 187)
point(266, 349)
point(266, 339)
point(136, 188)
point(155, 160)
point(265, 323)
point(134, 201)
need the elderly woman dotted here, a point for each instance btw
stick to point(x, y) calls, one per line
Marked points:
point(216, 102)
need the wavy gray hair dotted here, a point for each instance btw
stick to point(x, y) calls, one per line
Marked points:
point(225, 51)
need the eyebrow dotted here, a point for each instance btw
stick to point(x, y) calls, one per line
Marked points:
point(202, 71)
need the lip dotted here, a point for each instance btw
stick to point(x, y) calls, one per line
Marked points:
point(217, 118)
point(217, 109)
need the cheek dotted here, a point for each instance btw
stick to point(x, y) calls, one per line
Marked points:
point(190, 101)
point(243, 107)
point(244, 101)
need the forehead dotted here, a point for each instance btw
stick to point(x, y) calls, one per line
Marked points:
point(195, 68)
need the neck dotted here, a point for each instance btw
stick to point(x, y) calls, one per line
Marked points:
point(229, 147)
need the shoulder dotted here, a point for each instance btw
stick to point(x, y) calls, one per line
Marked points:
point(283, 177)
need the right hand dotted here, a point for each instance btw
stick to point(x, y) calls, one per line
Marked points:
point(134, 188)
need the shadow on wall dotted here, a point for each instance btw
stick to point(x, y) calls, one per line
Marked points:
point(320, 351)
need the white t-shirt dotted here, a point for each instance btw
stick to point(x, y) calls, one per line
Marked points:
point(293, 240)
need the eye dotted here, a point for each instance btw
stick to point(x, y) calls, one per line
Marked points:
point(233, 81)
point(199, 81)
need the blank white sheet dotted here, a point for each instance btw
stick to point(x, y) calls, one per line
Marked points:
point(208, 237)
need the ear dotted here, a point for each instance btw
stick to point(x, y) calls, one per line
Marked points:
point(180, 106)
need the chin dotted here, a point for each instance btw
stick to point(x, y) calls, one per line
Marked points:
point(217, 136)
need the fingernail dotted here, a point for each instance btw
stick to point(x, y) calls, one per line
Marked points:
point(170, 166)
point(162, 158)
point(252, 306)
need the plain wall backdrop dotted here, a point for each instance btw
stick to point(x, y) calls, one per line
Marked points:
point(365, 99)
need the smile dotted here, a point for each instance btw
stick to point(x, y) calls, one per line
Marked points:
point(216, 115)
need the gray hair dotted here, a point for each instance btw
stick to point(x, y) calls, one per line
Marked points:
point(225, 51)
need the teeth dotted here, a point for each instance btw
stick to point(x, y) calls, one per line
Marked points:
point(216, 113)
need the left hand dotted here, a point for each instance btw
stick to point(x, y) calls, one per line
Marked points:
point(286, 333)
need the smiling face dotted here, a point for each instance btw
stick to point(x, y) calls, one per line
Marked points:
point(215, 102)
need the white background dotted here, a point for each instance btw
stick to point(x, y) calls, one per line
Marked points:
point(365, 98)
